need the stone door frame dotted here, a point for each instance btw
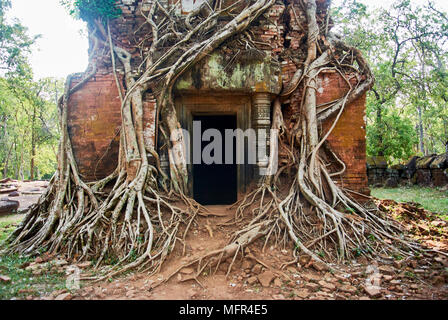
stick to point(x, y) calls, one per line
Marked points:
point(190, 105)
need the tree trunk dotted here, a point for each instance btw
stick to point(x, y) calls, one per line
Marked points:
point(421, 130)
point(379, 120)
point(20, 175)
point(8, 156)
point(33, 145)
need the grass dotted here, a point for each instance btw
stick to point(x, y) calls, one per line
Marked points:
point(8, 224)
point(432, 199)
point(23, 283)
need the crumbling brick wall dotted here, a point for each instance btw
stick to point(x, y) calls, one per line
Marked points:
point(94, 111)
point(423, 171)
point(94, 123)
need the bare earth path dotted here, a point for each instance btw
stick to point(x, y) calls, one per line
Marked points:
point(259, 277)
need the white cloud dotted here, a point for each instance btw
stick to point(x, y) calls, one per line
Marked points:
point(62, 49)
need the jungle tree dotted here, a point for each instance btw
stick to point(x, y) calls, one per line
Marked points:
point(136, 221)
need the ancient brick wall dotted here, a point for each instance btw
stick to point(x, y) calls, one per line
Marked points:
point(423, 171)
point(94, 123)
point(94, 111)
point(348, 139)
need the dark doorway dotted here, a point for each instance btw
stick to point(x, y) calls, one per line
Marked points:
point(215, 184)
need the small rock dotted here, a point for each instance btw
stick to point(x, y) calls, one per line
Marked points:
point(303, 293)
point(84, 265)
point(64, 297)
point(398, 264)
point(14, 194)
point(278, 297)
point(348, 289)
point(291, 269)
point(5, 279)
point(25, 291)
point(304, 260)
point(224, 267)
point(311, 277)
point(252, 280)
point(130, 294)
point(257, 269)
point(372, 291)
point(327, 285)
point(387, 270)
point(438, 280)
point(278, 283)
point(266, 278)
point(39, 260)
point(247, 264)
point(187, 271)
point(312, 286)
point(60, 263)
point(58, 293)
point(319, 266)
point(387, 278)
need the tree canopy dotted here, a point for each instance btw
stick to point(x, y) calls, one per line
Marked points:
point(406, 46)
point(28, 115)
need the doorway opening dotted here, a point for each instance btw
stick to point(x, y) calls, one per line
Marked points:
point(216, 184)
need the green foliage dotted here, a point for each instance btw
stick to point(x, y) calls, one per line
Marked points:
point(431, 199)
point(23, 283)
point(8, 225)
point(15, 43)
point(406, 48)
point(90, 10)
point(28, 115)
point(394, 136)
point(29, 127)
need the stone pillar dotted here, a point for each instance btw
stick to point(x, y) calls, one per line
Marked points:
point(165, 163)
point(261, 123)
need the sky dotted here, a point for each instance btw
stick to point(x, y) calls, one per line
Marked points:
point(62, 48)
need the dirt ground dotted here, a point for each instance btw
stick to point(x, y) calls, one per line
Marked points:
point(264, 273)
point(259, 276)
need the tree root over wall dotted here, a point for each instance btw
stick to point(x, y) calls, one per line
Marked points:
point(130, 216)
